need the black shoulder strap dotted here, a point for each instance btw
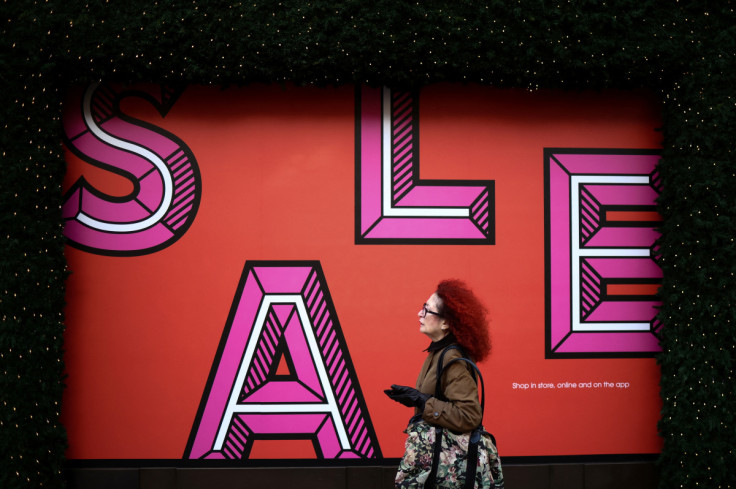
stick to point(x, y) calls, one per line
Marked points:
point(472, 463)
point(441, 366)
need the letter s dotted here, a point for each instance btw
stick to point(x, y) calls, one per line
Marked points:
point(165, 176)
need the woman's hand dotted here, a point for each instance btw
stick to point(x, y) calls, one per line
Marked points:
point(408, 396)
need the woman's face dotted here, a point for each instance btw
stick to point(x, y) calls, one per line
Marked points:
point(430, 323)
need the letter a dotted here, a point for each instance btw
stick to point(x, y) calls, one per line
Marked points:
point(282, 315)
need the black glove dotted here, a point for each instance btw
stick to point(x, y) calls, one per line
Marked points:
point(408, 396)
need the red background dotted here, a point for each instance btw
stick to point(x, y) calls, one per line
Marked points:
point(278, 183)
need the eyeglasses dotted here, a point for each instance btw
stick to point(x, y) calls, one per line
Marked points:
point(427, 311)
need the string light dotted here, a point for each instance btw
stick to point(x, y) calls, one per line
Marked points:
point(682, 51)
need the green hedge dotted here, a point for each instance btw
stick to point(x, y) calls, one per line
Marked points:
point(684, 51)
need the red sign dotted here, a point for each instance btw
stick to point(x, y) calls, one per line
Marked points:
point(248, 264)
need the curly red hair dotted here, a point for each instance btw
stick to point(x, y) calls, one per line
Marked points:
point(467, 317)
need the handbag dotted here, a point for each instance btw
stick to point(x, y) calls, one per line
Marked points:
point(436, 457)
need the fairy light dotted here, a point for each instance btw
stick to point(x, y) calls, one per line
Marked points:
point(512, 44)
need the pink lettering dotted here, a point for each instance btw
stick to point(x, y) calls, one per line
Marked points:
point(392, 204)
point(602, 268)
point(282, 313)
point(163, 171)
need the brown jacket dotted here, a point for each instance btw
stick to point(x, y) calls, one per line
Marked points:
point(462, 412)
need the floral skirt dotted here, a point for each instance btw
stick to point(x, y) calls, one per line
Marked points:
point(416, 464)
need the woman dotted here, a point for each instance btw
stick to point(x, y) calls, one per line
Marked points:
point(452, 315)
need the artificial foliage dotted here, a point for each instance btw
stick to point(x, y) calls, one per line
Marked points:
point(684, 51)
